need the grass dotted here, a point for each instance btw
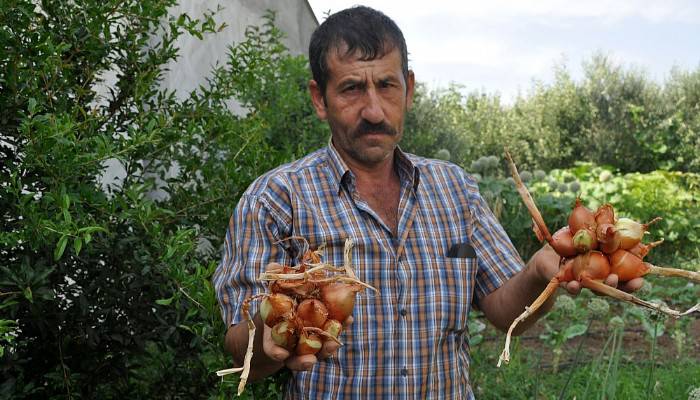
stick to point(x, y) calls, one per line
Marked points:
point(521, 379)
point(641, 368)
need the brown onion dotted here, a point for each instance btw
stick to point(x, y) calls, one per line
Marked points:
point(627, 266)
point(585, 240)
point(312, 312)
point(283, 334)
point(609, 241)
point(593, 265)
point(333, 327)
point(339, 299)
point(641, 250)
point(605, 215)
point(563, 242)
point(581, 218)
point(631, 232)
point(309, 343)
point(275, 308)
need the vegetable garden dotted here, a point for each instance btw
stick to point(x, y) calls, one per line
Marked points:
point(105, 284)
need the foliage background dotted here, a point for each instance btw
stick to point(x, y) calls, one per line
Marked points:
point(105, 285)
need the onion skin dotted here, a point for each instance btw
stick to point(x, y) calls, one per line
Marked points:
point(294, 288)
point(566, 270)
point(593, 265)
point(630, 232)
point(308, 344)
point(339, 299)
point(563, 242)
point(609, 241)
point(585, 240)
point(581, 218)
point(312, 312)
point(275, 308)
point(605, 215)
point(627, 266)
point(333, 327)
point(641, 249)
point(283, 334)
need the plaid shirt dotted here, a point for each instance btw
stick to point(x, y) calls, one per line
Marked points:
point(409, 341)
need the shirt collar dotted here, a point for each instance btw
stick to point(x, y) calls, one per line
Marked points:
point(340, 172)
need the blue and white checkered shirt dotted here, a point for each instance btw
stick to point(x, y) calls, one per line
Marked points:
point(410, 340)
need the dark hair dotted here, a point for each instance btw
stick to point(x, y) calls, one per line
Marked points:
point(364, 30)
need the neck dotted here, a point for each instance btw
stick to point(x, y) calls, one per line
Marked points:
point(375, 174)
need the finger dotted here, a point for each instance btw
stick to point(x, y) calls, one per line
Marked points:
point(632, 285)
point(272, 350)
point(612, 280)
point(573, 287)
point(301, 363)
point(273, 266)
point(348, 320)
point(328, 350)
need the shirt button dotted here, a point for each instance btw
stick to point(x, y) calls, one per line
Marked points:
point(403, 312)
point(404, 371)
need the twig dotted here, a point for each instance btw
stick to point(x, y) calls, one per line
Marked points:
point(674, 272)
point(527, 199)
point(321, 332)
point(249, 350)
point(66, 381)
point(190, 297)
point(529, 310)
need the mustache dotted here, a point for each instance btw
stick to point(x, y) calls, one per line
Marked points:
point(366, 127)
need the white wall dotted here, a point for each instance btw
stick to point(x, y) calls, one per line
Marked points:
point(197, 57)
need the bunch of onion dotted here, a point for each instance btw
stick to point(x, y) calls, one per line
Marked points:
point(306, 306)
point(592, 246)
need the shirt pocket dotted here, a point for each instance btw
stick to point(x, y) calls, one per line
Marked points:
point(449, 288)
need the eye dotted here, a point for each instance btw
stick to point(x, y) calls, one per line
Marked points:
point(386, 83)
point(351, 88)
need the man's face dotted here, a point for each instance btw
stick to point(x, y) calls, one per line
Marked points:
point(365, 105)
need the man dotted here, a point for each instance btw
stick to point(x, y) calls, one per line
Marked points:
point(424, 236)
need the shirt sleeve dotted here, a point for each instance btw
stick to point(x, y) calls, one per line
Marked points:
point(498, 260)
point(250, 244)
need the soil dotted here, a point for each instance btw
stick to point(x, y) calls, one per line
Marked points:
point(636, 344)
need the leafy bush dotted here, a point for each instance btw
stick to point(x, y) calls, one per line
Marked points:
point(670, 195)
point(106, 281)
point(613, 116)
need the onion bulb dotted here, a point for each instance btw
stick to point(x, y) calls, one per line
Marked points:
point(563, 242)
point(312, 312)
point(627, 266)
point(581, 218)
point(275, 308)
point(309, 343)
point(339, 299)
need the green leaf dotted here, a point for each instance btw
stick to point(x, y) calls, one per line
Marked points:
point(574, 330)
point(60, 247)
point(164, 302)
point(77, 245)
point(31, 105)
point(28, 294)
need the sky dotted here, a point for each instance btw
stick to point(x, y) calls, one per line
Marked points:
point(503, 46)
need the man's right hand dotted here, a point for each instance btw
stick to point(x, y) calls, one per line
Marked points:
point(293, 361)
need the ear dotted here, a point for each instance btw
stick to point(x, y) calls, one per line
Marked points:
point(317, 99)
point(410, 87)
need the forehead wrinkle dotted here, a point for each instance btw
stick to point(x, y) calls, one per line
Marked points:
point(360, 70)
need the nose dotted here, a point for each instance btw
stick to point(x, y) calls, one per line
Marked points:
point(372, 110)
